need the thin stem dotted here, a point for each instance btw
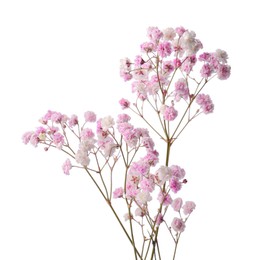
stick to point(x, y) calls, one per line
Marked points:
point(114, 212)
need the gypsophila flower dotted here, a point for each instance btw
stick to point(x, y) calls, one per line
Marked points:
point(67, 166)
point(90, 116)
point(188, 207)
point(116, 152)
point(177, 204)
point(107, 122)
point(118, 193)
point(178, 225)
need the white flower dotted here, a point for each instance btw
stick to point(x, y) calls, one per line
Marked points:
point(143, 197)
point(164, 174)
point(169, 34)
point(189, 43)
point(82, 158)
point(221, 56)
point(107, 122)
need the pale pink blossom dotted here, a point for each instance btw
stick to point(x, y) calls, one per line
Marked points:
point(205, 56)
point(82, 158)
point(177, 172)
point(86, 133)
point(169, 34)
point(58, 140)
point(164, 174)
point(164, 49)
point(125, 64)
point(206, 70)
point(223, 71)
point(125, 75)
point(143, 197)
point(170, 113)
point(147, 184)
point(73, 121)
point(168, 67)
point(34, 140)
point(90, 116)
point(154, 34)
point(180, 30)
point(147, 47)
point(205, 103)
point(27, 136)
point(178, 224)
point(181, 90)
point(174, 184)
point(56, 117)
point(177, 204)
point(123, 118)
point(189, 63)
point(124, 103)
point(67, 166)
point(221, 56)
point(177, 63)
point(165, 199)
point(118, 193)
point(188, 207)
point(107, 122)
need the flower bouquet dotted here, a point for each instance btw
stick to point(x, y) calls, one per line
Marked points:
point(126, 162)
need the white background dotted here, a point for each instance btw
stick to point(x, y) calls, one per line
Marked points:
point(64, 56)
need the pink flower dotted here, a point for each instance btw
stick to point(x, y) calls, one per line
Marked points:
point(204, 57)
point(178, 225)
point(223, 71)
point(118, 193)
point(177, 204)
point(177, 63)
point(170, 113)
point(123, 118)
point(58, 140)
point(34, 140)
point(124, 103)
point(90, 116)
point(181, 90)
point(205, 103)
point(175, 184)
point(189, 63)
point(180, 30)
point(154, 34)
point(27, 136)
point(188, 207)
point(221, 56)
point(86, 133)
point(67, 166)
point(125, 75)
point(147, 47)
point(165, 199)
point(147, 184)
point(164, 49)
point(107, 122)
point(177, 172)
point(168, 67)
point(56, 117)
point(73, 121)
point(206, 71)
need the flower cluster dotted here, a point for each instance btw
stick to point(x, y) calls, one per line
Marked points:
point(109, 149)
